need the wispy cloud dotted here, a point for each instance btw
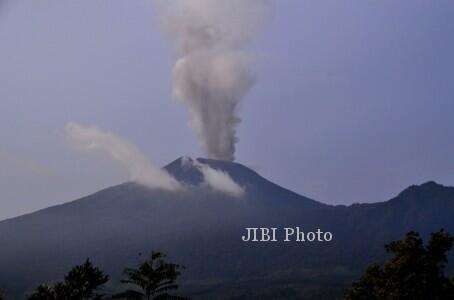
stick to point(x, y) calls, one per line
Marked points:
point(94, 140)
point(219, 180)
point(119, 150)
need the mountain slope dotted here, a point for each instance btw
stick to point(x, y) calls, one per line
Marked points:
point(202, 229)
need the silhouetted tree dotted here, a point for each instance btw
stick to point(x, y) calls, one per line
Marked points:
point(154, 279)
point(414, 272)
point(81, 283)
point(2, 295)
point(43, 292)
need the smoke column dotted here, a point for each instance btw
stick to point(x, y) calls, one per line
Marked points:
point(212, 71)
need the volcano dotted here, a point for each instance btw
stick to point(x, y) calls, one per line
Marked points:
point(201, 228)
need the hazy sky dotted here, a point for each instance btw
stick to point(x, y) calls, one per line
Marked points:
point(354, 100)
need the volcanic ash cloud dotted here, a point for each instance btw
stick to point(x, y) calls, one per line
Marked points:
point(219, 180)
point(91, 139)
point(117, 149)
point(212, 72)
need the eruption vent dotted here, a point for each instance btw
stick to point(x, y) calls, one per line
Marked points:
point(212, 72)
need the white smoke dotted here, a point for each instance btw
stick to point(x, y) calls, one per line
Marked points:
point(212, 72)
point(92, 139)
point(140, 168)
point(219, 180)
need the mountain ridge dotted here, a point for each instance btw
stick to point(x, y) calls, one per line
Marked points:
point(219, 164)
point(201, 228)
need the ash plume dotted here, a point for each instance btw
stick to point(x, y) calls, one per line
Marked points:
point(91, 139)
point(212, 72)
point(219, 180)
point(140, 168)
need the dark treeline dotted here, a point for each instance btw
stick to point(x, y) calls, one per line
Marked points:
point(414, 271)
point(155, 278)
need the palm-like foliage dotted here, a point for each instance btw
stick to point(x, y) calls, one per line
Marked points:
point(154, 279)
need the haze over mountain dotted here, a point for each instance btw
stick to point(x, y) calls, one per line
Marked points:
point(201, 228)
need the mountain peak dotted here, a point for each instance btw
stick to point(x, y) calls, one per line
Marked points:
point(187, 169)
point(183, 170)
point(431, 185)
point(427, 190)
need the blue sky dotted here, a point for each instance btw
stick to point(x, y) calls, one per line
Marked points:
point(354, 100)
